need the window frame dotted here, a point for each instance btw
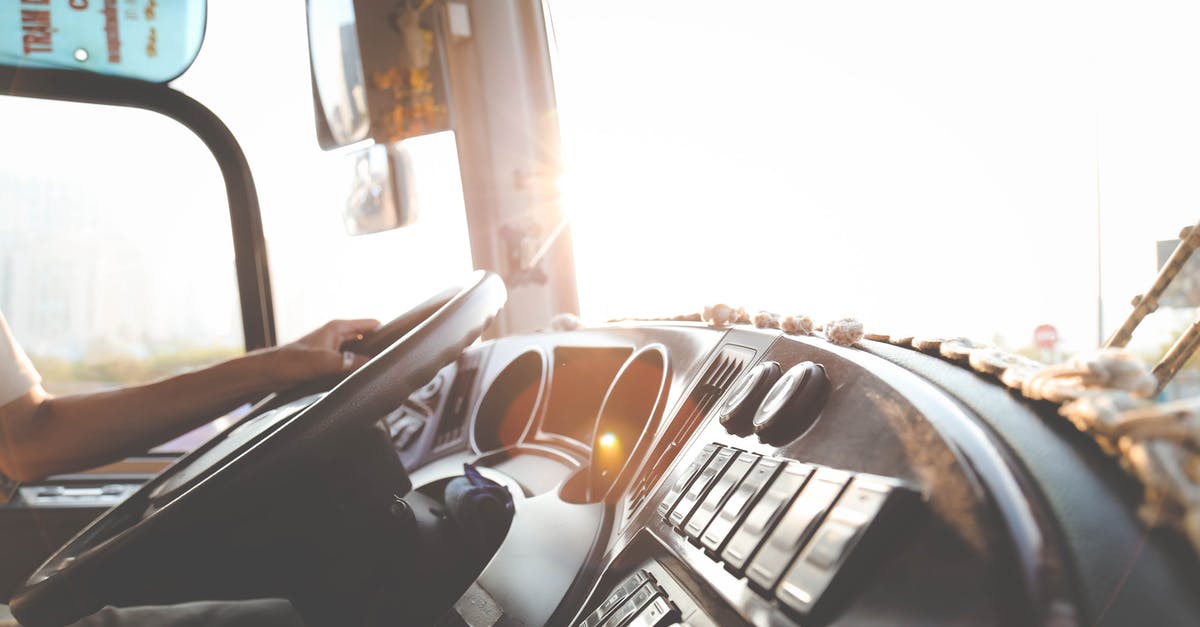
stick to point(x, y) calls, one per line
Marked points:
point(249, 244)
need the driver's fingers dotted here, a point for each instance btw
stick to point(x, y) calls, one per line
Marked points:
point(349, 330)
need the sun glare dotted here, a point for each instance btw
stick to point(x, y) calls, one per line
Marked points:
point(832, 160)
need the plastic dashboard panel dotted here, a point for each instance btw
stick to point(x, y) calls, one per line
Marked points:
point(980, 540)
point(954, 559)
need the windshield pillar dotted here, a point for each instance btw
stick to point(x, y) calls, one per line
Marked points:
point(505, 121)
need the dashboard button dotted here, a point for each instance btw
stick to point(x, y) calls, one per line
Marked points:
point(660, 612)
point(639, 599)
point(795, 527)
point(764, 515)
point(699, 487)
point(720, 491)
point(829, 544)
point(737, 412)
point(792, 404)
point(808, 578)
point(616, 597)
point(686, 478)
point(739, 503)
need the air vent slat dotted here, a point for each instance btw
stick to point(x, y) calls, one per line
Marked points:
point(719, 373)
point(729, 375)
point(724, 369)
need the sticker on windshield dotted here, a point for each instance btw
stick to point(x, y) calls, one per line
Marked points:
point(151, 40)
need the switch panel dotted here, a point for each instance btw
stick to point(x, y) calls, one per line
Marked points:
point(764, 515)
point(650, 597)
point(790, 528)
point(634, 604)
point(699, 487)
point(658, 613)
point(685, 479)
point(849, 520)
point(796, 527)
point(720, 491)
point(616, 598)
point(739, 503)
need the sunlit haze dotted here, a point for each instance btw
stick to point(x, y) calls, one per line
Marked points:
point(939, 168)
point(930, 167)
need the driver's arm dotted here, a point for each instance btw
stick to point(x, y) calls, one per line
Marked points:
point(41, 434)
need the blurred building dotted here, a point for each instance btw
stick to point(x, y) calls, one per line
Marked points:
point(81, 275)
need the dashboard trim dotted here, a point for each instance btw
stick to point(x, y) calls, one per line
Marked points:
point(539, 404)
point(1028, 528)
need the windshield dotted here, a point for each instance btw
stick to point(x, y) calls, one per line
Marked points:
point(111, 274)
point(932, 168)
point(318, 272)
point(108, 275)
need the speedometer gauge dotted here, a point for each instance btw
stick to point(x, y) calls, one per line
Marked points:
point(628, 417)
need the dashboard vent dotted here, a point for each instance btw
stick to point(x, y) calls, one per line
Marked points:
point(454, 417)
point(721, 373)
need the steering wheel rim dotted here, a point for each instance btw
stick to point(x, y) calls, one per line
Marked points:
point(58, 592)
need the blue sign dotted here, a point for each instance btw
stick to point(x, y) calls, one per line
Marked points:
point(151, 40)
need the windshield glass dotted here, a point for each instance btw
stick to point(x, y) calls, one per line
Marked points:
point(932, 168)
point(116, 262)
point(108, 275)
point(318, 272)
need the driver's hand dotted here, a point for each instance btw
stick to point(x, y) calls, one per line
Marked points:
point(319, 353)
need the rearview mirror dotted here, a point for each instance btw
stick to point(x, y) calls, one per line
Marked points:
point(382, 197)
point(378, 70)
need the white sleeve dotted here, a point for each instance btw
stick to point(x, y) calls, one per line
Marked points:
point(17, 374)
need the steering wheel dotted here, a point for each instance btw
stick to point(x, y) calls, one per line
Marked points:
point(244, 462)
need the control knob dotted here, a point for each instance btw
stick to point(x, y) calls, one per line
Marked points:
point(792, 404)
point(737, 412)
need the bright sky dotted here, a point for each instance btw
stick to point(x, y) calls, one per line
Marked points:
point(931, 167)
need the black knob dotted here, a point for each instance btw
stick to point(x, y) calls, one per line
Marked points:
point(737, 412)
point(792, 404)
